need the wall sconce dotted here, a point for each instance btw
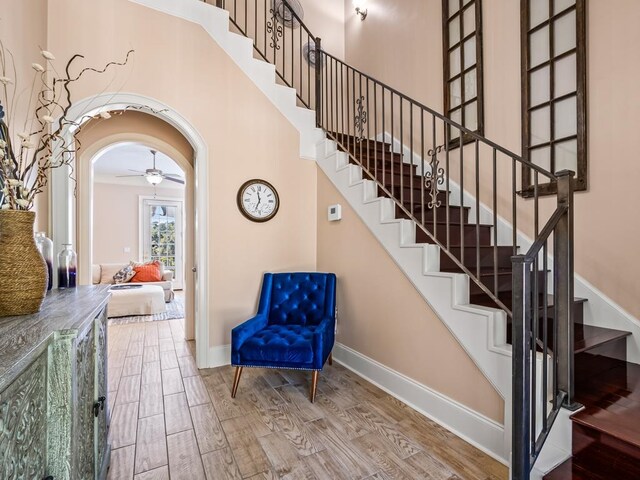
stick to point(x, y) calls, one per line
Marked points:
point(360, 9)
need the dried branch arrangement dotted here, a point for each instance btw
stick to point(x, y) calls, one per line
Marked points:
point(28, 152)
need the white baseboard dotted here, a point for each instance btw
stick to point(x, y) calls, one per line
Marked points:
point(473, 427)
point(219, 356)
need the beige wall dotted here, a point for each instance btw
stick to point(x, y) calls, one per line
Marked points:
point(23, 31)
point(178, 64)
point(382, 316)
point(325, 19)
point(400, 43)
point(116, 221)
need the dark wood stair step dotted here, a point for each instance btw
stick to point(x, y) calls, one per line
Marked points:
point(487, 277)
point(347, 140)
point(390, 162)
point(507, 300)
point(454, 230)
point(407, 180)
point(589, 337)
point(455, 213)
point(408, 176)
point(470, 259)
point(611, 416)
point(570, 470)
point(404, 194)
point(605, 454)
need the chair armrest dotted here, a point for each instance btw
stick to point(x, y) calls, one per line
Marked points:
point(323, 340)
point(244, 331)
point(167, 276)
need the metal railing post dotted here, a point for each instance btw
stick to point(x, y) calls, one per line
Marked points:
point(318, 82)
point(563, 283)
point(521, 358)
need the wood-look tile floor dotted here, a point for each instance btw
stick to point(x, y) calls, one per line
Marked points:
point(169, 420)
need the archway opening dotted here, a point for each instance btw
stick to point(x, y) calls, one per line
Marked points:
point(156, 126)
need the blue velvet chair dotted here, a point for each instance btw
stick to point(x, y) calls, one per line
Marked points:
point(293, 329)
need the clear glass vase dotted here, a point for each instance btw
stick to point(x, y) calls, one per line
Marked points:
point(45, 247)
point(67, 267)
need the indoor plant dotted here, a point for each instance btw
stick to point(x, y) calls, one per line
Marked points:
point(29, 150)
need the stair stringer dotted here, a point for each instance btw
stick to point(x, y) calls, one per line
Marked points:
point(481, 331)
point(215, 21)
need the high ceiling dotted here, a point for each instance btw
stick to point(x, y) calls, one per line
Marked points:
point(123, 158)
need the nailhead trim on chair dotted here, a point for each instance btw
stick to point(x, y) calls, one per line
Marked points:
point(279, 368)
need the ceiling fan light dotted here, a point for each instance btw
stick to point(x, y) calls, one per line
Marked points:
point(154, 178)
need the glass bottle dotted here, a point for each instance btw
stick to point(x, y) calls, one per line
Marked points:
point(67, 267)
point(45, 247)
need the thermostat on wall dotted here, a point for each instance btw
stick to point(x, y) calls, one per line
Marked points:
point(335, 212)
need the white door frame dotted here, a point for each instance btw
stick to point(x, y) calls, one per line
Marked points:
point(143, 244)
point(62, 205)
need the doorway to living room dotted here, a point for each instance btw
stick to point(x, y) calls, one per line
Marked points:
point(135, 118)
point(138, 239)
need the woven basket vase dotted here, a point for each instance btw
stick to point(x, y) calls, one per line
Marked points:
point(23, 271)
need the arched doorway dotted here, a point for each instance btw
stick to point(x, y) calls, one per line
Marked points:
point(70, 214)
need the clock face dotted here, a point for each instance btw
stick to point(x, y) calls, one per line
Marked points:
point(258, 200)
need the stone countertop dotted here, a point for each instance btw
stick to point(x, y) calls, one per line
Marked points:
point(23, 338)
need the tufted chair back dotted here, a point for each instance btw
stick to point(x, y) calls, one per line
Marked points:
point(298, 298)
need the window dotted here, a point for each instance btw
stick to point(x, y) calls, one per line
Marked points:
point(162, 235)
point(554, 90)
point(462, 41)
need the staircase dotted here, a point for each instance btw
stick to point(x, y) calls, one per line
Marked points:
point(506, 297)
point(606, 433)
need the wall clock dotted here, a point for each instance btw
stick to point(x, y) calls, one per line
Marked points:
point(258, 200)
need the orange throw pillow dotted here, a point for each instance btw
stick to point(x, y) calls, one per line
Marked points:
point(148, 272)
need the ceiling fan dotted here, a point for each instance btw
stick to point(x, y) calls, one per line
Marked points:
point(153, 175)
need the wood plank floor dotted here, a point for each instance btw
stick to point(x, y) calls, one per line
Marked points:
point(171, 421)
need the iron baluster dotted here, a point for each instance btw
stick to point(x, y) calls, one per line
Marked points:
point(360, 119)
point(318, 43)
point(276, 32)
point(433, 178)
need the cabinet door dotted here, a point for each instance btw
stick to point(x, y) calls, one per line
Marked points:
point(102, 420)
point(23, 420)
point(84, 422)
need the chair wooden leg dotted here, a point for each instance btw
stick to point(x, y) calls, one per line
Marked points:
point(331, 358)
point(314, 385)
point(236, 381)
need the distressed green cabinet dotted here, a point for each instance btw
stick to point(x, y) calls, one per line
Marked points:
point(23, 417)
point(53, 382)
point(101, 407)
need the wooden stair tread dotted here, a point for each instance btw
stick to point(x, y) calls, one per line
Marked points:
point(612, 402)
point(588, 336)
point(570, 470)
point(506, 299)
point(623, 426)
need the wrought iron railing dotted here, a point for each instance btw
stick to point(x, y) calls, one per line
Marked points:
point(465, 200)
point(281, 38)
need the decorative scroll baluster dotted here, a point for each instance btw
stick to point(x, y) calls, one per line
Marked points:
point(361, 118)
point(275, 29)
point(434, 178)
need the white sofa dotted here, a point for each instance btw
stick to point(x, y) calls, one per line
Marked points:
point(103, 274)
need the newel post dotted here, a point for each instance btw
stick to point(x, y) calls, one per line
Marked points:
point(563, 282)
point(521, 368)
